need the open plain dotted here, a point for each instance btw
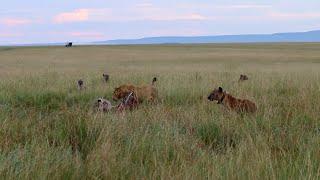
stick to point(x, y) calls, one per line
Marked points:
point(48, 129)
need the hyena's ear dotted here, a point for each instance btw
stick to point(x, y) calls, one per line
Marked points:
point(220, 89)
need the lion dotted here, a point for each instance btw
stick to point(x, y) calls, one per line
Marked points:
point(142, 93)
point(238, 105)
point(130, 102)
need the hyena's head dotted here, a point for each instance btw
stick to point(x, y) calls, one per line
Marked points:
point(103, 105)
point(216, 95)
point(243, 77)
point(80, 84)
point(154, 80)
point(105, 77)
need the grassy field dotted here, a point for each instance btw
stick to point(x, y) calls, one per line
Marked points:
point(48, 129)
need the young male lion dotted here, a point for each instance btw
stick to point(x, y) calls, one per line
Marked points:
point(142, 93)
point(239, 105)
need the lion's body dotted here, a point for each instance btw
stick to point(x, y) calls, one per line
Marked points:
point(142, 93)
point(130, 102)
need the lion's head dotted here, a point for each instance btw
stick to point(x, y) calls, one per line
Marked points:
point(122, 92)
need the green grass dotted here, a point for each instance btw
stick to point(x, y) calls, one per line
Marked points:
point(48, 129)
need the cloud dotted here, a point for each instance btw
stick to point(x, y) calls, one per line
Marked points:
point(78, 15)
point(147, 11)
point(245, 6)
point(87, 34)
point(14, 21)
point(78, 34)
point(210, 6)
point(9, 34)
point(181, 31)
point(145, 5)
point(150, 12)
point(140, 12)
point(196, 16)
point(174, 17)
point(294, 16)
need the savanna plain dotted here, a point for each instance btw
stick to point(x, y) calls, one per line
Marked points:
point(49, 130)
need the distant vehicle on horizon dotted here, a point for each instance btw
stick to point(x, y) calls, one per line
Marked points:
point(69, 44)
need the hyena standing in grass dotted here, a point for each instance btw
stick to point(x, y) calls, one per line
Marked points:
point(227, 100)
point(243, 77)
point(105, 77)
point(80, 84)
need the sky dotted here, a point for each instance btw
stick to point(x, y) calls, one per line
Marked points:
point(49, 21)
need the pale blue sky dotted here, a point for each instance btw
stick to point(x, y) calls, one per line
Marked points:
point(40, 21)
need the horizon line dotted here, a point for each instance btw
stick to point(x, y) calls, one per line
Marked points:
point(172, 36)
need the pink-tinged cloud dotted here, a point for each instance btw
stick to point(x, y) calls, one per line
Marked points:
point(14, 21)
point(78, 15)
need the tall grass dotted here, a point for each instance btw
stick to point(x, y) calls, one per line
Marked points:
point(48, 129)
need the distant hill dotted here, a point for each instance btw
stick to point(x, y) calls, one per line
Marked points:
point(311, 36)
